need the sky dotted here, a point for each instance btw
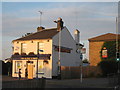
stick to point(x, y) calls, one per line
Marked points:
point(90, 18)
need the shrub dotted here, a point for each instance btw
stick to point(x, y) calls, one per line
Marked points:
point(108, 66)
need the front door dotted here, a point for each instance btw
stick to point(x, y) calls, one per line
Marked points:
point(30, 71)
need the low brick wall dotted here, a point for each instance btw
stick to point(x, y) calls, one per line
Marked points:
point(75, 72)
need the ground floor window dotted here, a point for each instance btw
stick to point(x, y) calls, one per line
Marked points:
point(18, 65)
point(40, 67)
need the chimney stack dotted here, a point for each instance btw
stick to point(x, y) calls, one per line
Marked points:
point(59, 24)
point(77, 35)
point(40, 28)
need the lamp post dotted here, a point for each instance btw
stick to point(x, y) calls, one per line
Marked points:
point(59, 28)
point(59, 70)
point(117, 53)
point(117, 47)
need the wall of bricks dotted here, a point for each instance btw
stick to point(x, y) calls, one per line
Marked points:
point(94, 52)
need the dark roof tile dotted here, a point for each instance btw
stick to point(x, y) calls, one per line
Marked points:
point(44, 34)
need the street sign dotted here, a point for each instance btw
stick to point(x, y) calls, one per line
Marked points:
point(83, 50)
point(81, 56)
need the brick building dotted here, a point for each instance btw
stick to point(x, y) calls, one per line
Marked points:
point(95, 45)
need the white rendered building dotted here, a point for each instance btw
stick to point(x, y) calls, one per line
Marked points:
point(39, 52)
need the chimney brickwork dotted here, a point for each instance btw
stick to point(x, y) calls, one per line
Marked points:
point(40, 28)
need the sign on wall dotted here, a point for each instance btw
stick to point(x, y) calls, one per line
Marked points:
point(83, 50)
point(104, 53)
point(62, 49)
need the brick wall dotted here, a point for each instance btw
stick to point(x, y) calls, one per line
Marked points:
point(94, 52)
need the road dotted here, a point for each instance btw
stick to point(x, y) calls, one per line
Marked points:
point(72, 83)
point(75, 83)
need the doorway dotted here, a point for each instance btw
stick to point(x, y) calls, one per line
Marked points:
point(30, 71)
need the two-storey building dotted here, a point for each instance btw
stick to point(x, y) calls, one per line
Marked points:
point(37, 54)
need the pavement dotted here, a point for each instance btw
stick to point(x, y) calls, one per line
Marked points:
point(9, 78)
point(76, 83)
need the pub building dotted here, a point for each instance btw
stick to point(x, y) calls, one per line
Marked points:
point(37, 54)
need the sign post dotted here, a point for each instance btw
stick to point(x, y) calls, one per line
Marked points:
point(81, 57)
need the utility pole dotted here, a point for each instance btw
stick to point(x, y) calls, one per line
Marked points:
point(117, 53)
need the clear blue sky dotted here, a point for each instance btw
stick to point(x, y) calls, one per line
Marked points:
point(90, 18)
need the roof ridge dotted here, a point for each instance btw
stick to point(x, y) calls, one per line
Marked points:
point(103, 37)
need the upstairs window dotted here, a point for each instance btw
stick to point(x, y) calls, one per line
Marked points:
point(23, 48)
point(41, 48)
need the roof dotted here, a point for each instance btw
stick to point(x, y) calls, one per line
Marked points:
point(44, 34)
point(104, 37)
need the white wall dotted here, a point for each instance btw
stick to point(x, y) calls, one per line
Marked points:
point(32, 47)
point(67, 59)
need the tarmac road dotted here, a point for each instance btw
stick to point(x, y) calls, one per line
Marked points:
point(73, 83)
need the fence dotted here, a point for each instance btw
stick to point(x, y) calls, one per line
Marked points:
point(33, 83)
point(75, 72)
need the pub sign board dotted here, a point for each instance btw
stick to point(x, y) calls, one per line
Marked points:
point(104, 53)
